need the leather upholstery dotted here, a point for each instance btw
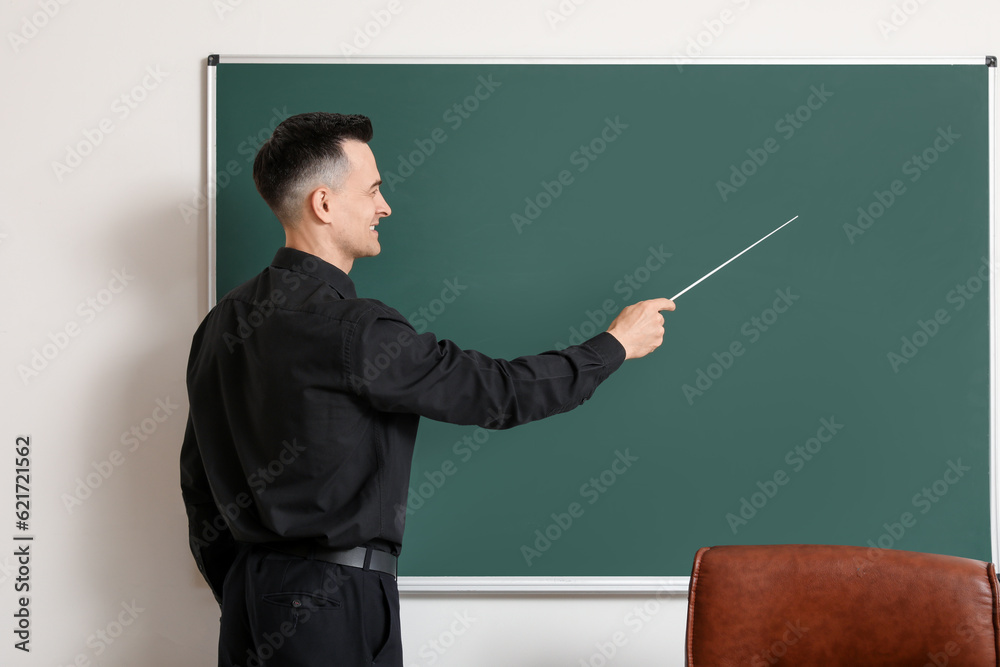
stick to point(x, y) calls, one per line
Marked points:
point(834, 606)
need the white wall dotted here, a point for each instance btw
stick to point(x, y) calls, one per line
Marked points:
point(63, 237)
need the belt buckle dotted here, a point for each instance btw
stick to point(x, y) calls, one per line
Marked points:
point(368, 559)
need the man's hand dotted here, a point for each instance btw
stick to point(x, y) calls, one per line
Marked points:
point(639, 327)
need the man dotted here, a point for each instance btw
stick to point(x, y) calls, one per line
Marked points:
point(296, 459)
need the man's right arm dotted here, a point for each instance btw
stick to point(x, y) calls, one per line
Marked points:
point(398, 370)
point(211, 542)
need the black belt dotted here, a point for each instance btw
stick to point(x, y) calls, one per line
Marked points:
point(365, 558)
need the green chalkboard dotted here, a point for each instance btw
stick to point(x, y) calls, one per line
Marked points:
point(830, 386)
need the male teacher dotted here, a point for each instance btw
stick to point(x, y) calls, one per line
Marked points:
point(304, 405)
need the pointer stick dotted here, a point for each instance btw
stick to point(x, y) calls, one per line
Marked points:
point(721, 265)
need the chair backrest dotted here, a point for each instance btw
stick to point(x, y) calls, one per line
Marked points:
point(835, 606)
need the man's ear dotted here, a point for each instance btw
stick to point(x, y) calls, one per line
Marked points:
point(321, 203)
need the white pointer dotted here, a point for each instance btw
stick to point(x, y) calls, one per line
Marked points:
point(674, 298)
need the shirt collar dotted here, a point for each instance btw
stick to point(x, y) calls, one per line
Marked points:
point(311, 265)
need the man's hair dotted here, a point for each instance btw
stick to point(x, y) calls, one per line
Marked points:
point(304, 152)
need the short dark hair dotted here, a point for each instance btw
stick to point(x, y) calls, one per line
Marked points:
point(305, 151)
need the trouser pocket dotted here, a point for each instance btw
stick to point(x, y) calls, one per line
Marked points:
point(299, 606)
point(291, 614)
point(388, 650)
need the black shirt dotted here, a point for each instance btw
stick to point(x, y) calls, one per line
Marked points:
point(304, 404)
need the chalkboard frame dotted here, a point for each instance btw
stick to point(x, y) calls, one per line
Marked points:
point(660, 586)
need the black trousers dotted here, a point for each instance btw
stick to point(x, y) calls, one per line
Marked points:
point(280, 610)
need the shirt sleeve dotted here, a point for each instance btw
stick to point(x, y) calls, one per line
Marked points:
point(211, 542)
point(399, 370)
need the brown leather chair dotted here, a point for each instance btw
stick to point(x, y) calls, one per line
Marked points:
point(833, 606)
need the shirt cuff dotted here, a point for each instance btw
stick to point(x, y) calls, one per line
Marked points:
point(609, 349)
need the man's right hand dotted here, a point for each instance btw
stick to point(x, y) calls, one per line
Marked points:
point(639, 327)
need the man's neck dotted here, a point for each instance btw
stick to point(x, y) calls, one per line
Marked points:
point(324, 251)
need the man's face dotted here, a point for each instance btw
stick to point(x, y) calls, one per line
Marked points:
point(358, 204)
